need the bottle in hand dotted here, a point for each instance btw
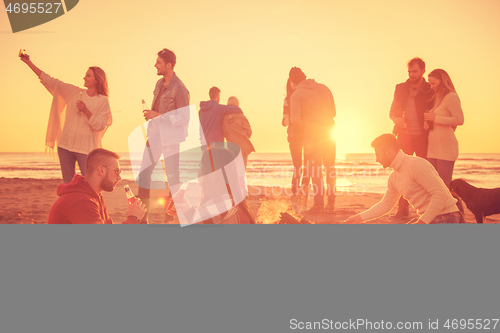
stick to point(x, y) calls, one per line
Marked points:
point(130, 194)
point(429, 123)
point(144, 106)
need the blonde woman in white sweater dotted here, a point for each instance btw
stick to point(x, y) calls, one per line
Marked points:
point(442, 121)
point(78, 117)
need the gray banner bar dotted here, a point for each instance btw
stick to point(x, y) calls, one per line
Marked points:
point(276, 278)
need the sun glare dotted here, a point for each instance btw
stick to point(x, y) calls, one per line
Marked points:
point(349, 137)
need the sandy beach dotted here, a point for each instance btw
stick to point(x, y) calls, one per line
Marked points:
point(28, 201)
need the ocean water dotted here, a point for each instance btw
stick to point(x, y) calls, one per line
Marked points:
point(356, 173)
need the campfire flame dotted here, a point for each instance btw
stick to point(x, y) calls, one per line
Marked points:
point(270, 210)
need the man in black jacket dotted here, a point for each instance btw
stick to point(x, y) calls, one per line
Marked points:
point(411, 100)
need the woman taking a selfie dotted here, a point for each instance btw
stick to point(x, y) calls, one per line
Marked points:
point(78, 117)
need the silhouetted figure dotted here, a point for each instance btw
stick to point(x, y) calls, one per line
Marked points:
point(445, 116)
point(411, 100)
point(169, 120)
point(81, 202)
point(313, 107)
point(295, 139)
point(416, 180)
point(86, 114)
point(236, 129)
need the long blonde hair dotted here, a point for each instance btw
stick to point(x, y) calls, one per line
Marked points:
point(102, 81)
point(446, 84)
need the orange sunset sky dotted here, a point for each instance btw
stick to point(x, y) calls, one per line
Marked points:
point(359, 49)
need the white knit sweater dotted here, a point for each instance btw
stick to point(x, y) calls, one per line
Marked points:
point(69, 128)
point(415, 179)
point(443, 144)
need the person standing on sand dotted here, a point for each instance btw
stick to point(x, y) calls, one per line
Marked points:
point(445, 116)
point(169, 117)
point(415, 179)
point(411, 100)
point(81, 202)
point(87, 117)
point(295, 139)
point(236, 129)
point(313, 107)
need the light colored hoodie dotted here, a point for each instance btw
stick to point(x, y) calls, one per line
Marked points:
point(312, 106)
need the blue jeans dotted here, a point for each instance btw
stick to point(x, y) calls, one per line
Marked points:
point(447, 218)
point(444, 169)
point(150, 158)
point(67, 160)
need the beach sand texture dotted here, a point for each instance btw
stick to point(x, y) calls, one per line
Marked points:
point(28, 201)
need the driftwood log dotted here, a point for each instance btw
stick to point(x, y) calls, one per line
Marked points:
point(286, 218)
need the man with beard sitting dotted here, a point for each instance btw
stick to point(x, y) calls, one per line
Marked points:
point(81, 202)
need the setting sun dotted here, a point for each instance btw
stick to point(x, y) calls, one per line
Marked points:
point(350, 47)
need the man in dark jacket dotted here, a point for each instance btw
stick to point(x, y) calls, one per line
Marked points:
point(81, 202)
point(212, 114)
point(313, 108)
point(411, 100)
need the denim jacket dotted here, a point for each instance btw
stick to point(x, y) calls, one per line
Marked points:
point(171, 126)
point(174, 96)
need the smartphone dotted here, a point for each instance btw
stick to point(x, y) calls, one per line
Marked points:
point(22, 53)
